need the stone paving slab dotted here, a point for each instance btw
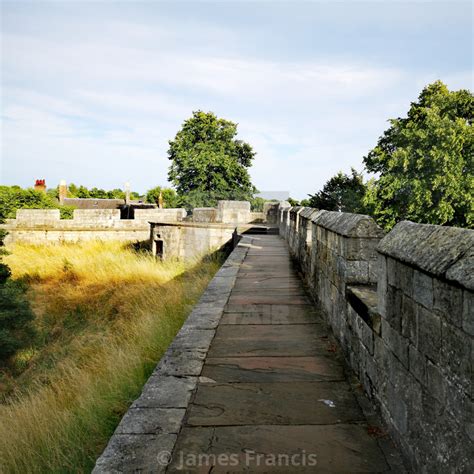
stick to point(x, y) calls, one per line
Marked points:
point(271, 340)
point(267, 318)
point(278, 403)
point(259, 298)
point(254, 284)
point(273, 309)
point(343, 448)
point(272, 369)
point(297, 291)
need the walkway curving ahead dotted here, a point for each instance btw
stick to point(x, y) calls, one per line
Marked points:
point(273, 394)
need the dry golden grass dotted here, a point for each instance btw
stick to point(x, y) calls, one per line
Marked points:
point(105, 314)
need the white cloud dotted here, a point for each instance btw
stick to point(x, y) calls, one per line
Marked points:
point(98, 105)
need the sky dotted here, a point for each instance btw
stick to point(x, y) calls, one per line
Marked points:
point(91, 91)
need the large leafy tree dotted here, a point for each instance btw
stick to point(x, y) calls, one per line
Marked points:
point(208, 163)
point(424, 162)
point(343, 192)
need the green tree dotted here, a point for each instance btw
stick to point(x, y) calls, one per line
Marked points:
point(256, 204)
point(170, 198)
point(13, 198)
point(115, 194)
point(424, 162)
point(97, 193)
point(208, 163)
point(343, 192)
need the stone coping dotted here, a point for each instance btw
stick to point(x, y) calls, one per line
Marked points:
point(207, 225)
point(157, 415)
point(342, 223)
point(445, 252)
point(308, 212)
point(363, 299)
point(348, 225)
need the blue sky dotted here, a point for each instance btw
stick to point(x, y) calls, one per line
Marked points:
point(92, 91)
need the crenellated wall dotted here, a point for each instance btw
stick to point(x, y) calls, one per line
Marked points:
point(401, 306)
point(39, 226)
point(45, 225)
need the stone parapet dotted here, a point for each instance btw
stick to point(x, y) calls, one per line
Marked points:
point(401, 306)
point(160, 215)
point(233, 212)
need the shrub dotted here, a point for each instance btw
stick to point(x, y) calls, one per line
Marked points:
point(15, 313)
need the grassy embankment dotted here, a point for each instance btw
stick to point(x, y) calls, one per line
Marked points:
point(104, 316)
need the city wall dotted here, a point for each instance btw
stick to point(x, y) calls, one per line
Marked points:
point(401, 305)
point(40, 226)
point(171, 233)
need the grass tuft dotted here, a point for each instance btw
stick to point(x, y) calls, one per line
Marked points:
point(104, 316)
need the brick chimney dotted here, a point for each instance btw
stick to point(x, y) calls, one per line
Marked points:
point(62, 191)
point(40, 185)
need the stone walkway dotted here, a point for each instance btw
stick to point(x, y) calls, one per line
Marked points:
point(273, 395)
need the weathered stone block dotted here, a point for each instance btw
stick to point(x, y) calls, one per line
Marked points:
point(468, 312)
point(166, 392)
point(135, 453)
point(397, 408)
point(423, 289)
point(448, 301)
point(417, 364)
point(455, 356)
point(151, 421)
point(97, 216)
point(382, 286)
point(435, 382)
point(373, 271)
point(204, 214)
point(409, 319)
point(397, 344)
point(359, 248)
point(365, 334)
point(405, 279)
point(429, 333)
point(394, 305)
point(26, 217)
point(357, 271)
point(392, 272)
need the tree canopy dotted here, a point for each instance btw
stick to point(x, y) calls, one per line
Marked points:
point(208, 163)
point(170, 198)
point(424, 162)
point(343, 192)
